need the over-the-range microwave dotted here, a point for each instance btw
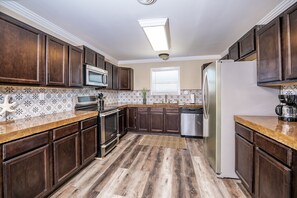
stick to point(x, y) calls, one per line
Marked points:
point(94, 76)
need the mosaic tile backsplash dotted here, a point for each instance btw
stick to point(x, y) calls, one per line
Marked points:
point(289, 90)
point(136, 96)
point(36, 101)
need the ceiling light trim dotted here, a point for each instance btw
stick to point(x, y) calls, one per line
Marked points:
point(174, 59)
point(157, 33)
point(48, 26)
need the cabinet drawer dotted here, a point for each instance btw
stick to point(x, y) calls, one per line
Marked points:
point(172, 110)
point(88, 123)
point(142, 109)
point(244, 132)
point(157, 109)
point(65, 130)
point(24, 145)
point(277, 150)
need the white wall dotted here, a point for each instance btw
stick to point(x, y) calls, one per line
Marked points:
point(190, 73)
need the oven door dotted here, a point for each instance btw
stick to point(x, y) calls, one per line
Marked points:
point(109, 126)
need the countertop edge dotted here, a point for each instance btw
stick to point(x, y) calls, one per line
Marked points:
point(279, 137)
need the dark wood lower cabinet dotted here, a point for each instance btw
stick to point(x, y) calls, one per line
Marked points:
point(143, 120)
point(66, 157)
point(244, 162)
point(89, 144)
point(122, 122)
point(27, 175)
point(172, 121)
point(272, 179)
point(131, 118)
point(156, 120)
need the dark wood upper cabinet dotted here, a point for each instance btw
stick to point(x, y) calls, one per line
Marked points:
point(125, 78)
point(143, 120)
point(89, 56)
point(269, 57)
point(22, 52)
point(108, 68)
point(272, 179)
point(75, 67)
point(100, 61)
point(115, 78)
point(234, 51)
point(244, 162)
point(27, 175)
point(290, 43)
point(247, 43)
point(156, 120)
point(56, 62)
point(172, 120)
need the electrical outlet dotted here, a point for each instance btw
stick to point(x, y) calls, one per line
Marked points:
point(186, 92)
point(41, 96)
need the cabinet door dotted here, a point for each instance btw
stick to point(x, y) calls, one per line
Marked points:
point(234, 51)
point(290, 43)
point(115, 82)
point(244, 162)
point(272, 179)
point(89, 144)
point(66, 157)
point(156, 121)
point(269, 52)
point(89, 56)
point(100, 61)
point(75, 67)
point(27, 175)
point(122, 122)
point(125, 76)
point(56, 62)
point(108, 67)
point(142, 121)
point(22, 52)
point(131, 118)
point(172, 122)
point(247, 44)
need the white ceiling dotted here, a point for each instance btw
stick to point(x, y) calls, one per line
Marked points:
point(197, 27)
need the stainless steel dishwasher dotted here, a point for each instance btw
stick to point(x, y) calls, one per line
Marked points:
point(192, 122)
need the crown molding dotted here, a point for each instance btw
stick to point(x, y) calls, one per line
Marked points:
point(281, 7)
point(47, 26)
point(173, 59)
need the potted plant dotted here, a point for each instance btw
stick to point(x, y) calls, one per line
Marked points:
point(144, 93)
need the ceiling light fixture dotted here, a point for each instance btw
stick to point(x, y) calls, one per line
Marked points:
point(164, 56)
point(147, 2)
point(157, 32)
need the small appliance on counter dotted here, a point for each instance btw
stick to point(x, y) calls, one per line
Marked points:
point(107, 124)
point(101, 101)
point(192, 97)
point(287, 109)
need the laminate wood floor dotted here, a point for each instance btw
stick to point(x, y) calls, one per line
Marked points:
point(134, 170)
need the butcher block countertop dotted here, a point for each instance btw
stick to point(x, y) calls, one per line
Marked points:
point(158, 105)
point(29, 126)
point(270, 126)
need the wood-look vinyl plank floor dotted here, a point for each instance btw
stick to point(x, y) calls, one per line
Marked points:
point(134, 170)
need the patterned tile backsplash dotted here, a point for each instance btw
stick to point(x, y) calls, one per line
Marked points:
point(136, 96)
point(36, 101)
point(289, 90)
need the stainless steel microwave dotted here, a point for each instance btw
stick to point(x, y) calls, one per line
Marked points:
point(95, 76)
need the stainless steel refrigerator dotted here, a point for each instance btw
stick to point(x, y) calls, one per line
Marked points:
point(230, 88)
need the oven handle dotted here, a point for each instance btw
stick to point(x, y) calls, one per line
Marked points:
point(109, 113)
point(106, 145)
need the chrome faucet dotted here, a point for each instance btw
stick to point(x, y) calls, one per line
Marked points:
point(166, 99)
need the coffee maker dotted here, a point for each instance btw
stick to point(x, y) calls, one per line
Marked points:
point(287, 109)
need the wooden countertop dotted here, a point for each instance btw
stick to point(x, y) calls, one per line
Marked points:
point(270, 126)
point(159, 105)
point(26, 127)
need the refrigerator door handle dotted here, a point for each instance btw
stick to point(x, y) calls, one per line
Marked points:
point(205, 96)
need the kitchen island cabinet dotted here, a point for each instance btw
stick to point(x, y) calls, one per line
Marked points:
point(266, 156)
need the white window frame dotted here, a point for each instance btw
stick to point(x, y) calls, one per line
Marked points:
point(165, 69)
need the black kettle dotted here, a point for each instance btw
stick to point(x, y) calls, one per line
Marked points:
point(101, 101)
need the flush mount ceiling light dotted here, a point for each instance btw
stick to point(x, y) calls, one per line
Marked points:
point(146, 2)
point(157, 32)
point(164, 56)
